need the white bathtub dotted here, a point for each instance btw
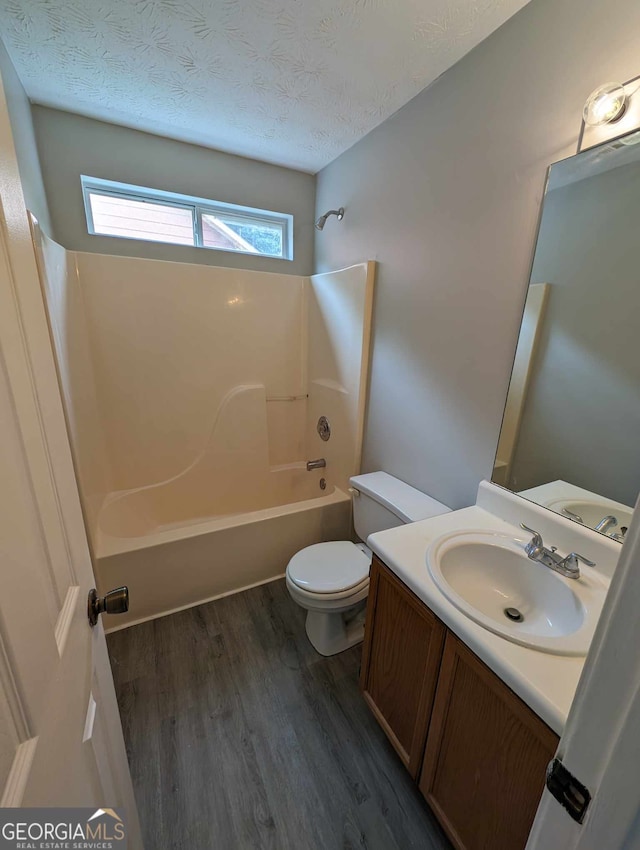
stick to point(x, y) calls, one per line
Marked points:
point(176, 545)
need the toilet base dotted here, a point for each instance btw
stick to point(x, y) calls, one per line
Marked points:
point(333, 632)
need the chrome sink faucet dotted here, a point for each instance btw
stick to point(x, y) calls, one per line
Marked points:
point(610, 521)
point(537, 551)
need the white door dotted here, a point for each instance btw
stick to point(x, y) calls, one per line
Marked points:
point(61, 741)
point(600, 744)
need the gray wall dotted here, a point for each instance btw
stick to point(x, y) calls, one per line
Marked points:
point(582, 415)
point(445, 195)
point(24, 140)
point(71, 145)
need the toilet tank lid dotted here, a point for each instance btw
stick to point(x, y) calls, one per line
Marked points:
point(407, 503)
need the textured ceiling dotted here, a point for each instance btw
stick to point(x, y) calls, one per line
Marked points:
point(294, 82)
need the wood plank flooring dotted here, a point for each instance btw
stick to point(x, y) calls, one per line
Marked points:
point(239, 735)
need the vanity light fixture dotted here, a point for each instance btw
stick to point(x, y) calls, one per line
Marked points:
point(612, 112)
point(605, 105)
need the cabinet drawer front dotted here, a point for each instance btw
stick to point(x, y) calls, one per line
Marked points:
point(401, 657)
point(486, 756)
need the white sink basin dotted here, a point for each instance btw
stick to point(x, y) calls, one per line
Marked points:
point(592, 512)
point(489, 578)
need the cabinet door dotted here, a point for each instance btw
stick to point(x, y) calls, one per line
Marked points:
point(486, 756)
point(400, 662)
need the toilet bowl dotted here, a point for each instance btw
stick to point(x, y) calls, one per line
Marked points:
point(331, 580)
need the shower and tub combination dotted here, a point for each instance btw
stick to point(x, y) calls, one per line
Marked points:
point(199, 401)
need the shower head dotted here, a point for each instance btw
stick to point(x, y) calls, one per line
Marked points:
point(339, 214)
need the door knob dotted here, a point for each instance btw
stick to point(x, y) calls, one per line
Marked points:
point(114, 602)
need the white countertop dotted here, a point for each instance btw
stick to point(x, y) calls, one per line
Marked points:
point(546, 683)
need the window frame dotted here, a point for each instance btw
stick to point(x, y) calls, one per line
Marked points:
point(198, 207)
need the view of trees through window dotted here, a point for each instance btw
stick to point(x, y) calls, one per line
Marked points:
point(132, 212)
point(265, 239)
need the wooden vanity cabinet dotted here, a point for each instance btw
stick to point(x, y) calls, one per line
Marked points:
point(400, 661)
point(477, 751)
point(486, 756)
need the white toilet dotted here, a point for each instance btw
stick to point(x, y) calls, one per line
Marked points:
point(331, 580)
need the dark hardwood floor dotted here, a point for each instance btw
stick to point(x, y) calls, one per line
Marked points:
point(240, 735)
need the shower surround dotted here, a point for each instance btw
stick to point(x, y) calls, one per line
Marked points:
point(192, 395)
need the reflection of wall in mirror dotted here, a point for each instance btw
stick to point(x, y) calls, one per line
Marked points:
point(581, 416)
point(532, 318)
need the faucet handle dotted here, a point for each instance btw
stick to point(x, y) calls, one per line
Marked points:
point(571, 515)
point(537, 537)
point(573, 557)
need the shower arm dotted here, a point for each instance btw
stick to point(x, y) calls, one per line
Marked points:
point(339, 214)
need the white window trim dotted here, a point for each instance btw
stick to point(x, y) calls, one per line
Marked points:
point(198, 206)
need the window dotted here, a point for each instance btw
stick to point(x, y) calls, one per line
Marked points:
point(134, 212)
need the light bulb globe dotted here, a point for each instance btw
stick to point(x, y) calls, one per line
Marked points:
point(605, 104)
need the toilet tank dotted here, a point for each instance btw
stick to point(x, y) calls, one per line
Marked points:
point(381, 501)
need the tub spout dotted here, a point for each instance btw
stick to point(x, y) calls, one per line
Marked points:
point(320, 463)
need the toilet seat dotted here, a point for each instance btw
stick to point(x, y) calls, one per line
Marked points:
point(328, 601)
point(329, 568)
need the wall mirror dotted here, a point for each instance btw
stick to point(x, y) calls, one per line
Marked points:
point(569, 437)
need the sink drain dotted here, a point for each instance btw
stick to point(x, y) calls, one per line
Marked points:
point(513, 614)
